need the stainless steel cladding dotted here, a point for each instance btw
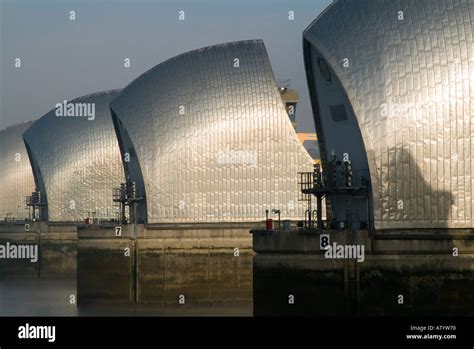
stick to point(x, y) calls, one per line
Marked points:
point(75, 155)
point(16, 176)
point(209, 139)
point(406, 69)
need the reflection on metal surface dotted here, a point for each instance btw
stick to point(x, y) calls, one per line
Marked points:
point(407, 69)
point(78, 160)
point(16, 177)
point(208, 133)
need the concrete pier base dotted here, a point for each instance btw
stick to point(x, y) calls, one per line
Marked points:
point(56, 250)
point(165, 265)
point(430, 285)
point(401, 273)
point(406, 242)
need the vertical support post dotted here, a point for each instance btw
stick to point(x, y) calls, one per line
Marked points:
point(319, 208)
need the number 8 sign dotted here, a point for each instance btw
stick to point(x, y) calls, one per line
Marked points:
point(324, 241)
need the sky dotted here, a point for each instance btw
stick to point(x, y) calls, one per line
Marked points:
point(63, 59)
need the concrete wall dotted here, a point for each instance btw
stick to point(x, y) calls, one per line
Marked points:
point(56, 249)
point(164, 263)
point(408, 242)
point(431, 285)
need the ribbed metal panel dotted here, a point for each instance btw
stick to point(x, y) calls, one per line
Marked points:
point(16, 176)
point(410, 81)
point(79, 160)
point(231, 155)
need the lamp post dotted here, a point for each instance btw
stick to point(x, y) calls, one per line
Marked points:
point(277, 211)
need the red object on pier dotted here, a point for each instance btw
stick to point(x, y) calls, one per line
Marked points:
point(269, 224)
